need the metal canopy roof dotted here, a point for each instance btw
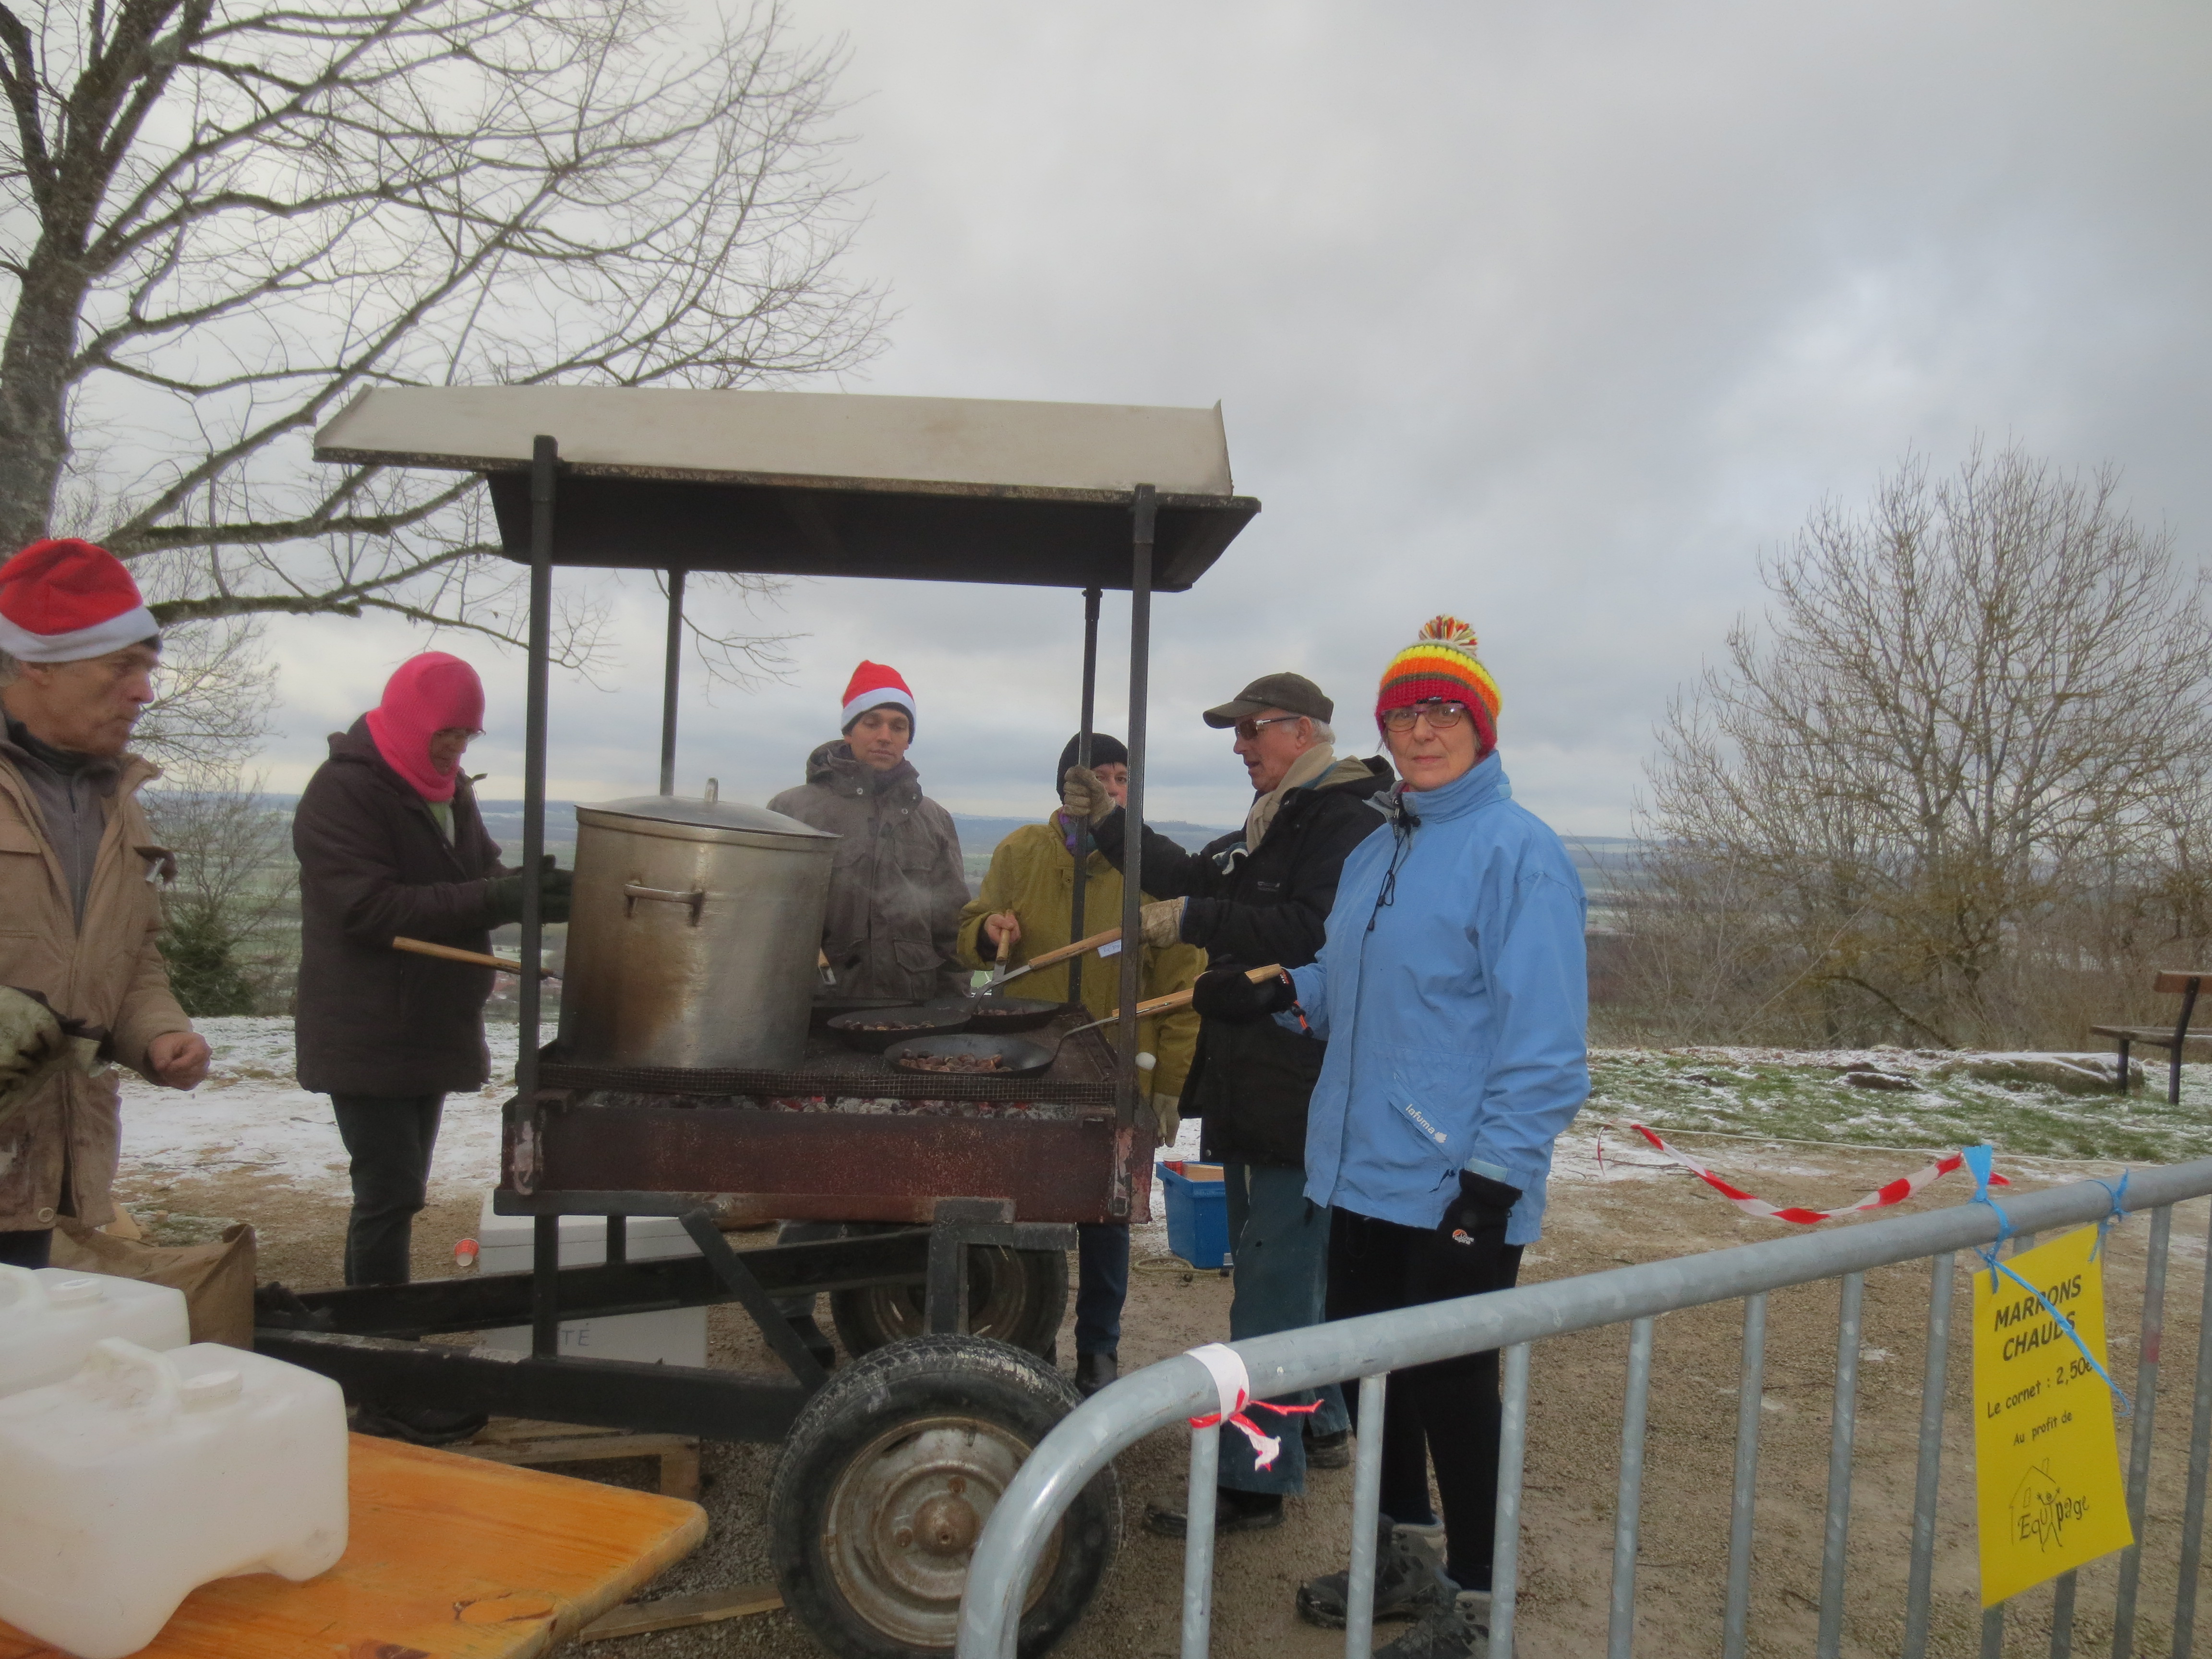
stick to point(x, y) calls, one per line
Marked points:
point(812, 483)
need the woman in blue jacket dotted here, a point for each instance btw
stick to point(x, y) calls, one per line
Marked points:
point(1453, 996)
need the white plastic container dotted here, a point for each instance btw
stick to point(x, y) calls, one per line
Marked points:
point(672, 1336)
point(148, 1474)
point(50, 1318)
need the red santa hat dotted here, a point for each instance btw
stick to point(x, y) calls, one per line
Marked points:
point(64, 601)
point(875, 685)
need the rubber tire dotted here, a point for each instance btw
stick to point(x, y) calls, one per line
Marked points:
point(1030, 1286)
point(921, 1377)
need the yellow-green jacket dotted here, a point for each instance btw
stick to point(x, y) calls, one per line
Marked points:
point(1033, 874)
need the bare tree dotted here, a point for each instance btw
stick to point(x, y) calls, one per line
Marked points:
point(226, 935)
point(223, 219)
point(1969, 707)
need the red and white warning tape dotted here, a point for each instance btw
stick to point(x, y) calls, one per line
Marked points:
point(1232, 1385)
point(1881, 1199)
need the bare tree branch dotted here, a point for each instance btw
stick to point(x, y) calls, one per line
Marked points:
point(221, 222)
point(1952, 754)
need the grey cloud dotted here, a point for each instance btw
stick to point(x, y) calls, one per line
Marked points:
point(1553, 317)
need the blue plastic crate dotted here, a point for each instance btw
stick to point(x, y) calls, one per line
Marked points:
point(1198, 1218)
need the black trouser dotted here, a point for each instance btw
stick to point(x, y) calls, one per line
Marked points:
point(33, 1249)
point(1375, 1266)
point(390, 1138)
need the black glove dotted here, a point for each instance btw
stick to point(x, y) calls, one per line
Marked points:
point(1223, 992)
point(554, 888)
point(1480, 1206)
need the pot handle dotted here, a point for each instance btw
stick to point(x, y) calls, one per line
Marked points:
point(696, 899)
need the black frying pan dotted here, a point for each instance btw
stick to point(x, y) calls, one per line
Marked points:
point(909, 1021)
point(1022, 1057)
point(1000, 1014)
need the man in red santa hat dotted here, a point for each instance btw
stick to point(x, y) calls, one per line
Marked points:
point(82, 986)
point(896, 888)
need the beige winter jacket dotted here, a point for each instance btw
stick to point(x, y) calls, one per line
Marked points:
point(57, 1153)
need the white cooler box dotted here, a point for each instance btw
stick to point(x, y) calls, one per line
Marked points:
point(674, 1336)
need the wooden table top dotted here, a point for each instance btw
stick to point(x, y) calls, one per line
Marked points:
point(448, 1557)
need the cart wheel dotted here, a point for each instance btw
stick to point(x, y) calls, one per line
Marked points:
point(887, 1479)
point(1017, 1297)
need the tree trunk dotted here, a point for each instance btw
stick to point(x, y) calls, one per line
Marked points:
point(34, 445)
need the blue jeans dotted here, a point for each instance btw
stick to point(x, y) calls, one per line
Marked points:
point(1102, 1285)
point(1281, 1244)
point(30, 1249)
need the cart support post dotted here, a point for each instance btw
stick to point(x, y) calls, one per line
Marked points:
point(1143, 512)
point(671, 676)
point(521, 1140)
point(1083, 758)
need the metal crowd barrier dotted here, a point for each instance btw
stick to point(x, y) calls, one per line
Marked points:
point(1175, 1390)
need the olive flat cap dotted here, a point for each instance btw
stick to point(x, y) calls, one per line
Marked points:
point(1294, 694)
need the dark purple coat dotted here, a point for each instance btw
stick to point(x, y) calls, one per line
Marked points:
point(371, 1020)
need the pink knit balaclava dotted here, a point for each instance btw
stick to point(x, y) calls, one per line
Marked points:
point(424, 696)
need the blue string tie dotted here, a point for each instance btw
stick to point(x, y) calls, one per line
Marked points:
point(1979, 1160)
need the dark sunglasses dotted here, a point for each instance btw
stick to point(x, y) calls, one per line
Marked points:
point(1441, 716)
point(1248, 728)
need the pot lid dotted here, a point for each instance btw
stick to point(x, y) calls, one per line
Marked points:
point(708, 814)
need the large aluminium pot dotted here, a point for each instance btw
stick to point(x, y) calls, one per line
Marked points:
point(693, 934)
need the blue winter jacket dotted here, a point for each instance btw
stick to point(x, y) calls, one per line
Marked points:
point(1453, 998)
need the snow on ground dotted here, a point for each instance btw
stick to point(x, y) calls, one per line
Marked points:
point(251, 1116)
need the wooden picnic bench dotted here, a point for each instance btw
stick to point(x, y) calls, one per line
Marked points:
point(2172, 982)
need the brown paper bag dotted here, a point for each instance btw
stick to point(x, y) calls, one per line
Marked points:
point(217, 1280)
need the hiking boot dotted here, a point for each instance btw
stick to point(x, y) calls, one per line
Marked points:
point(1408, 1584)
point(1458, 1628)
point(1233, 1511)
point(1093, 1371)
point(1329, 1451)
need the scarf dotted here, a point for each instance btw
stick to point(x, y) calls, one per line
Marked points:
point(1304, 770)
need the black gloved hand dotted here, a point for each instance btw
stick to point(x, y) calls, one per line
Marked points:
point(504, 896)
point(1223, 992)
point(1481, 1207)
point(555, 887)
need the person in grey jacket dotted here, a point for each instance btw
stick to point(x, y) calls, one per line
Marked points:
point(896, 888)
point(892, 923)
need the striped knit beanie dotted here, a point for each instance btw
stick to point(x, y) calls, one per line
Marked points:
point(1441, 663)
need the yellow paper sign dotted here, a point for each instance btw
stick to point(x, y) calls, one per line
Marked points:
point(2047, 1460)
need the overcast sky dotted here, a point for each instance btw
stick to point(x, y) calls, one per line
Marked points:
point(1554, 316)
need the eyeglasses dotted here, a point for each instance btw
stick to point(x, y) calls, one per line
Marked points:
point(1249, 729)
point(1441, 716)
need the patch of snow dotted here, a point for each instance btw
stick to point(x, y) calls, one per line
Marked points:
point(250, 1114)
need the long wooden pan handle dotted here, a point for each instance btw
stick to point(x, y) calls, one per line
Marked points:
point(422, 947)
point(1175, 1000)
point(1074, 950)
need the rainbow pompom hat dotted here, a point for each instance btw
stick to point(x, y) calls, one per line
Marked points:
point(1441, 663)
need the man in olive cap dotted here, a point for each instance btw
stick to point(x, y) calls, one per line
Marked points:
point(1257, 895)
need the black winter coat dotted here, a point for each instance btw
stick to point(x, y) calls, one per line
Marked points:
point(1250, 1083)
point(371, 1020)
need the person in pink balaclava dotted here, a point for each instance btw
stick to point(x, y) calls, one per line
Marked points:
point(391, 844)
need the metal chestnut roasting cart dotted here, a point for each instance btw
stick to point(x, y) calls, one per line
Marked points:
point(688, 1080)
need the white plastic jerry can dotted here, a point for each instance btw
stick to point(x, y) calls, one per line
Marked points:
point(51, 1317)
point(148, 1474)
